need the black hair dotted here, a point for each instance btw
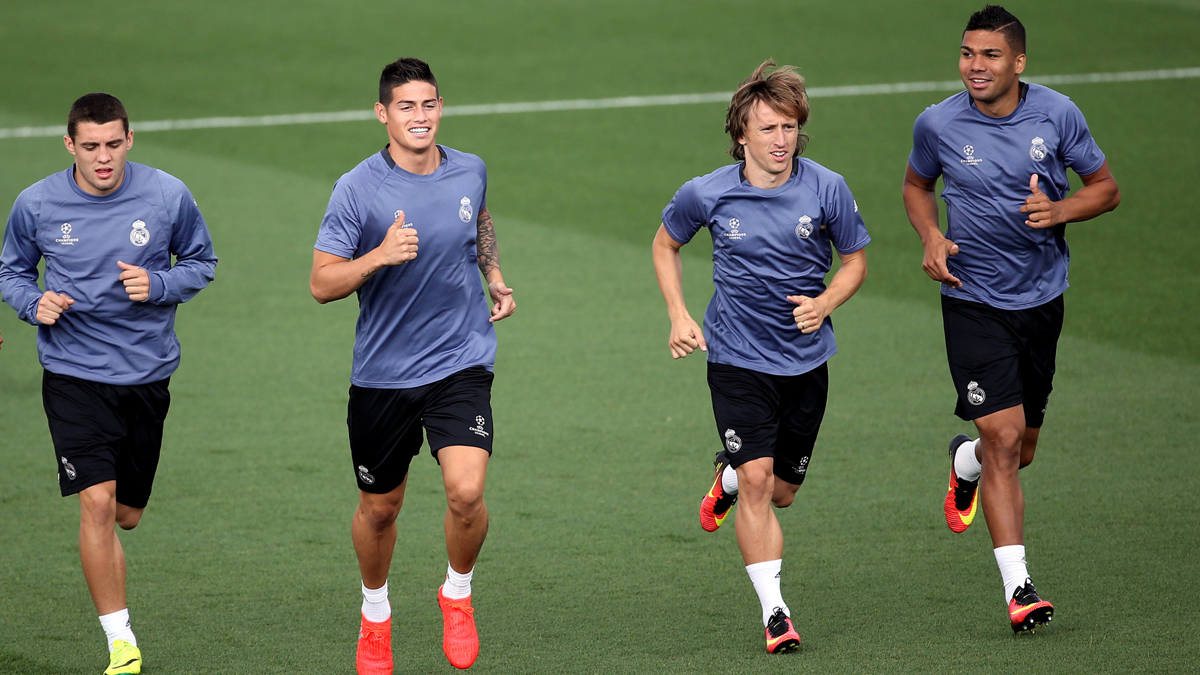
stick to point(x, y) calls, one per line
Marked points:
point(401, 72)
point(97, 109)
point(996, 19)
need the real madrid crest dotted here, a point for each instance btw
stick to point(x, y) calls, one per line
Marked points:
point(140, 236)
point(732, 442)
point(805, 227)
point(1038, 150)
point(975, 395)
point(464, 210)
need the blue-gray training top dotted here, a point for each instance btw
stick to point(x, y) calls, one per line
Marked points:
point(425, 319)
point(105, 337)
point(985, 163)
point(767, 245)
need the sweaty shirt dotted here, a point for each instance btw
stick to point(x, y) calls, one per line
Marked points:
point(425, 319)
point(104, 336)
point(767, 245)
point(985, 163)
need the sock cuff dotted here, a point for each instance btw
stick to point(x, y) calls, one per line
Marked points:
point(767, 566)
point(376, 594)
point(119, 615)
point(1017, 550)
point(458, 577)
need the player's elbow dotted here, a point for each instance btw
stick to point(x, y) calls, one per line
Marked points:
point(320, 294)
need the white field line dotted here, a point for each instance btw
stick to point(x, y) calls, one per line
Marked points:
point(602, 103)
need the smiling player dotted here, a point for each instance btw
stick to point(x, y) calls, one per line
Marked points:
point(775, 219)
point(424, 345)
point(1003, 148)
point(107, 229)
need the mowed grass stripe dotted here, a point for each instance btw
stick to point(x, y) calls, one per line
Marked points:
point(603, 103)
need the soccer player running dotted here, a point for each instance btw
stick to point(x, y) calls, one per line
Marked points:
point(775, 219)
point(1003, 148)
point(107, 229)
point(424, 346)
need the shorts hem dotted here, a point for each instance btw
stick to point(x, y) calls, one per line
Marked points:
point(76, 488)
point(975, 412)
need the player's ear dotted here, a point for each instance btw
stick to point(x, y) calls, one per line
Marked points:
point(381, 112)
point(1020, 63)
point(67, 141)
point(129, 140)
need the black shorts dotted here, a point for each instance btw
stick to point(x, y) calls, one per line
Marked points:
point(761, 415)
point(104, 432)
point(385, 424)
point(1000, 358)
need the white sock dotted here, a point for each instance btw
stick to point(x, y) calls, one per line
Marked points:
point(966, 464)
point(1011, 560)
point(729, 480)
point(375, 607)
point(457, 586)
point(765, 577)
point(117, 627)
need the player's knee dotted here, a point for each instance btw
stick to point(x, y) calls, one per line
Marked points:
point(96, 509)
point(756, 482)
point(784, 500)
point(1003, 443)
point(465, 500)
point(379, 516)
point(1026, 459)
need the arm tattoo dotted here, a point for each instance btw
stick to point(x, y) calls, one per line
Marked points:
point(368, 275)
point(485, 243)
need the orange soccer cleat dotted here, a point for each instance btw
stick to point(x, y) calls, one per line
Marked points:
point(374, 648)
point(781, 634)
point(460, 641)
point(716, 504)
point(962, 496)
point(1026, 610)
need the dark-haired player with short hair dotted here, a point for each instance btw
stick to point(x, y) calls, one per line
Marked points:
point(1003, 148)
point(424, 346)
point(107, 229)
point(775, 219)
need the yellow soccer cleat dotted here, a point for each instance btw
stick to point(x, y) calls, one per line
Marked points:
point(125, 659)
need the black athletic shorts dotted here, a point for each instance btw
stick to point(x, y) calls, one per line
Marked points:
point(385, 424)
point(761, 415)
point(104, 432)
point(1000, 358)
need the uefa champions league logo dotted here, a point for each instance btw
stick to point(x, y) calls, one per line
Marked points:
point(66, 229)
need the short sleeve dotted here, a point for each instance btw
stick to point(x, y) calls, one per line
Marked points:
point(924, 156)
point(686, 214)
point(845, 225)
point(341, 228)
point(1077, 147)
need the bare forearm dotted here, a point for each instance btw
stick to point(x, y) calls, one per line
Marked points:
point(846, 281)
point(336, 280)
point(668, 267)
point(1092, 200)
point(487, 252)
point(921, 206)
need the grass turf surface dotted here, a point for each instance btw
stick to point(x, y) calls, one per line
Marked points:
point(595, 562)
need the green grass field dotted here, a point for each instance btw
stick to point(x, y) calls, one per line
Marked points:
point(595, 562)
